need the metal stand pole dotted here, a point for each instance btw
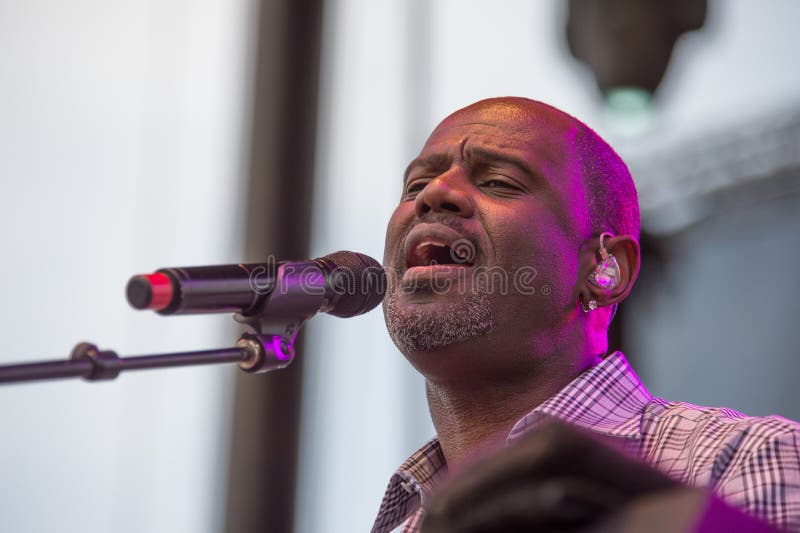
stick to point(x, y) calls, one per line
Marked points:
point(92, 364)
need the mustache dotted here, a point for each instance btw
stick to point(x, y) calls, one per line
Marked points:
point(451, 221)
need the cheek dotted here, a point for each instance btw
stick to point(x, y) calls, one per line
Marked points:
point(523, 234)
point(395, 230)
point(538, 243)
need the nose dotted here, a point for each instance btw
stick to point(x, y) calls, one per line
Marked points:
point(446, 193)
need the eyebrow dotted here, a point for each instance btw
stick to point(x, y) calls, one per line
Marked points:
point(442, 161)
point(490, 156)
point(435, 161)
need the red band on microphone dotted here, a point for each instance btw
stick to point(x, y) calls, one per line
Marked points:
point(162, 291)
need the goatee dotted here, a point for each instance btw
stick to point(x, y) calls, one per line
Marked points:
point(419, 328)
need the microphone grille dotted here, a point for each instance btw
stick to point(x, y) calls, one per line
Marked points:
point(357, 281)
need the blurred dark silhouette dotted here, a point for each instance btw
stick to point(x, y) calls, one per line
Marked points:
point(628, 43)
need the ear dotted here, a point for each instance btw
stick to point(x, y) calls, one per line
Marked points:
point(625, 250)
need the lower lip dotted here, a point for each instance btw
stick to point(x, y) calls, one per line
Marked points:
point(435, 272)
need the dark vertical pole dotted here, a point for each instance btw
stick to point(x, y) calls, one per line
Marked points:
point(266, 418)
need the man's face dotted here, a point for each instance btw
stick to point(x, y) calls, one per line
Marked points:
point(483, 246)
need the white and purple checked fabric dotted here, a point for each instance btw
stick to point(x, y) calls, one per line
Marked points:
point(751, 462)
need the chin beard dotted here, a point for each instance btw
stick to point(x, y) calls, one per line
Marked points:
point(420, 328)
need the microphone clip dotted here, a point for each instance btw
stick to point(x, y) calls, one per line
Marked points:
point(298, 294)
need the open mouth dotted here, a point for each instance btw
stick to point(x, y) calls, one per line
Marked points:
point(430, 252)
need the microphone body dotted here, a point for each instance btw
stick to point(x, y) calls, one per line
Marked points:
point(343, 284)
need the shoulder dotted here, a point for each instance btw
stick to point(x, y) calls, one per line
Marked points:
point(684, 435)
point(751, 462)
point(661, 415)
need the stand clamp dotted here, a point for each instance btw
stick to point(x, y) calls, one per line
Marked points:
point(299, 295)
point(105, 364)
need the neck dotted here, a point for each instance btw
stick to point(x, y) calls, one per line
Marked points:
point(473, 418)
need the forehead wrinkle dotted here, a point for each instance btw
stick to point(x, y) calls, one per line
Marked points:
point(440, 159)
point(523, 128)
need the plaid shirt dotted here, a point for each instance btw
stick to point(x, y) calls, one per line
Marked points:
point(750, 462)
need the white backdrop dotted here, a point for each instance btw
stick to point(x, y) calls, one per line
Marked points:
point(121, 126)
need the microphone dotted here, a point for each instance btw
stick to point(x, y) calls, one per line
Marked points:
point(342, 284)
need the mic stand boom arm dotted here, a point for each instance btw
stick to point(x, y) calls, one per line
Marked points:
point(269, 345)
point(254, 352)
point(92, 364)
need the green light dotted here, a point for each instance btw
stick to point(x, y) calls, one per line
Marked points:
point(628, 110)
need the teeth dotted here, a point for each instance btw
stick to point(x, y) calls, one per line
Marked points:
point(435, 250)
point(431, 252)
point(431, 243)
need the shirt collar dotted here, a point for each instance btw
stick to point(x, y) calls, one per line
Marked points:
point(410, 484)
point(608, 398)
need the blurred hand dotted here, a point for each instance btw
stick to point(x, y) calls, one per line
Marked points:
point(561, 478)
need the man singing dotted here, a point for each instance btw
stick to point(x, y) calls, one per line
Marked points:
point(515, 238)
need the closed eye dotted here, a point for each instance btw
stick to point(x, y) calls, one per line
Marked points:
point(413, 188)
point(496, 183)
point(499, 184)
